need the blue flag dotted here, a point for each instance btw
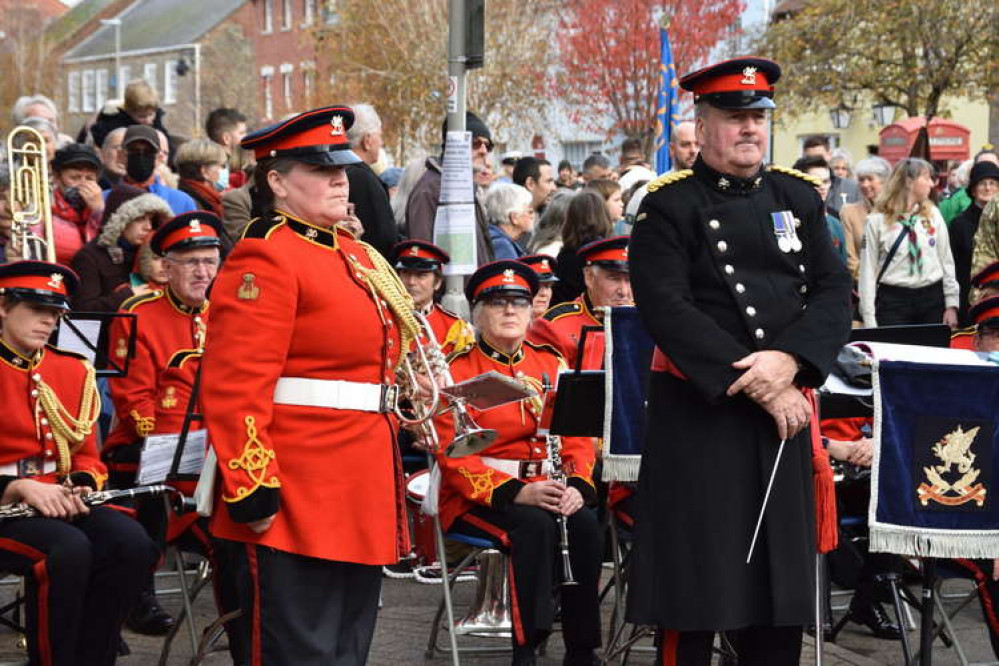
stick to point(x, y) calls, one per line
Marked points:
point(666, 108)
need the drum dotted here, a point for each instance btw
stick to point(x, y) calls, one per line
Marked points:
point(421, 526)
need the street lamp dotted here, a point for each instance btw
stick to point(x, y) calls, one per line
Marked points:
point(118, 83)
point(884, 114)
point(840, 116)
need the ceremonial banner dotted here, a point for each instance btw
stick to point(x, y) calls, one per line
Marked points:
point(667, 112)
point(627, 358)
point(935, 470)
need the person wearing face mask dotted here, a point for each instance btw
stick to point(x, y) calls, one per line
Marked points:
point(142, 154)
point(204, 173)
point(77, 204)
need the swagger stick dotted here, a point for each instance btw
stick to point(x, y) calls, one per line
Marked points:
point(766, 498)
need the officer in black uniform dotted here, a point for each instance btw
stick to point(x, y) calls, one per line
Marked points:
point(736, 279)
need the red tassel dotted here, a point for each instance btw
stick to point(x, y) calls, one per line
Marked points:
point(826, 522)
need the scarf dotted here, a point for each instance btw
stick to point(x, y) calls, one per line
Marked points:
point(913, 250)
point(205, 193)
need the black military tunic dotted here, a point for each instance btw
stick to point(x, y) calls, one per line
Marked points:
point(713, 284)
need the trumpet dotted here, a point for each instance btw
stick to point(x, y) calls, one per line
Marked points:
point(29, 194)
point(428, 361)
point(98, 497)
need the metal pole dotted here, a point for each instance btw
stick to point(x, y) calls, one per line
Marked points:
point(454, 299)
point(820, 602)
point(120, 86)
point(926, 625)
point(197, 90)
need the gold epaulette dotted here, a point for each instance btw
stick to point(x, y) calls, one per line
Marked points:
point(457, 353)
point(668, 179)
point(811, 180)
point(131, 303)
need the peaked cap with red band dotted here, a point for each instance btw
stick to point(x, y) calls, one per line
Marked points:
point(39, 281)
point(986, 312)
point(610, 253)
point(418, 255)
point(506, 277)
point(741, 83)
point(544, 265)
point(194, 229)
point(987, 278)
point(314, 137)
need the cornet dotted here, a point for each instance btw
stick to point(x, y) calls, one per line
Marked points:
point(29, 194)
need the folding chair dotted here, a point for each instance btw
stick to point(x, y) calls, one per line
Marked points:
point(620, 640)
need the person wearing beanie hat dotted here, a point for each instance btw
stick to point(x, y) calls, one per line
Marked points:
point(105, 263)
point(504, 491)
point(983, 184)
point(77, 204)
point(421, 209)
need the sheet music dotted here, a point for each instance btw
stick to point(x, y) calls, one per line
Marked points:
point(158, 452)
point(885, 351)
point(70, 340)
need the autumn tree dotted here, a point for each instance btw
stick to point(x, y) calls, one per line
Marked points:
point(25, 55)
point(394, 56)
point(912, 55)
point(609, 52)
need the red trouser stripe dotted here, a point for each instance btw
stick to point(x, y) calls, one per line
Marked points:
point(251, 556)
point(983, 593)
point(670, 642)
point(501, 536)
point(41, 575)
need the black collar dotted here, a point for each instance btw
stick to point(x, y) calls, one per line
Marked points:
point(497, 355)
point(724, 182)
point(310, 232)
point(182, 307)
point(16, 359)
point(589, 309)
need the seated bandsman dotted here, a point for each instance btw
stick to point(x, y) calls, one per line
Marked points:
point(504, 493)
point(168, 321)
point(985, 284)
point(83, 566)
point(605, 273)
point(544, 265)
point(419, 265)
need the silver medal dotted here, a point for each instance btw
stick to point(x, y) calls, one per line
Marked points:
point(784, 243)
point(796, 244)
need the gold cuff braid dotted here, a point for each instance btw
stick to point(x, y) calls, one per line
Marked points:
point(254, 461)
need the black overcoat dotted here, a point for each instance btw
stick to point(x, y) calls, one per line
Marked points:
point(712, 285)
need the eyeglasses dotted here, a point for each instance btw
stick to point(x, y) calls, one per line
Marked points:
point(481, 142)
point(194, 262)
point(502, 302)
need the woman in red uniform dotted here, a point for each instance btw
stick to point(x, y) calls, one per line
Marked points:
point(505, 493)
point(308, 327)
point(83, 566)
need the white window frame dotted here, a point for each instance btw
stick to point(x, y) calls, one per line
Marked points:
point(100, 87)
point(124, 75)
point(287, 20)
point(308, 13)
point(287, 86)
point(308, 69)
point(170, 82)
point(149, 71)
point(268, 26)
point(73, 91)
point(88, 104)
point(267, 76)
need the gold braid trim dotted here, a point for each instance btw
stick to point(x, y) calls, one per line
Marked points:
point(69, 431)
point(385, 285)
point(143, 424)
point(482, 483)
point(254, 461)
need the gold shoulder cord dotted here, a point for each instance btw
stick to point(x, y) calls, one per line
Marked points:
point(67, 430)
point(385, 285)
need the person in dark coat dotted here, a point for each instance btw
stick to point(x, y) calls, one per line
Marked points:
point(737, 282)
point(367, 192)
point(983, 184)
point(586, 220)
point(141, 107)
point(105, 264)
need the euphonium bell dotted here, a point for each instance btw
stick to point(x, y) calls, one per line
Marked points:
point(29, 194)
point(490, 614)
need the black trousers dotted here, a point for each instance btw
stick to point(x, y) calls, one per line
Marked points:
point(530, 535)
point(82, 579)
point(898, 306)
point(753, 646)
point(305, 611)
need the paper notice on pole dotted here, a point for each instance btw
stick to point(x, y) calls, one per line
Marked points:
point(454, 232)
point(89, 332)
point(456, 175)
point(158, 452)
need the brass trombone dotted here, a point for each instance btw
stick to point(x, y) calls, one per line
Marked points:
point(29, 194)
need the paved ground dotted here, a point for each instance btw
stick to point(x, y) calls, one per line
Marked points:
point(408, 608)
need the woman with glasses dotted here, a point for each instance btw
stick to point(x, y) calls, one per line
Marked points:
point(906, 268)
point(504, 493)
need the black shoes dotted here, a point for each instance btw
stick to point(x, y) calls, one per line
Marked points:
point(873, 616)
point(149, 618)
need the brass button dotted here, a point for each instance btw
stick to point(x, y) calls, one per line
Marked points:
point(801, 267)
point(730, 269)
point(803, 289)
point(741, 288)
point(36, 377)
point(34, 393)
point(48, 435)
point(722, 246)
point(715, 224)
point(44, 421)
point(751, 311)
point(759, 334)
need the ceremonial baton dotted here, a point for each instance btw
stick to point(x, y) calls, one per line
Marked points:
point(766, 498)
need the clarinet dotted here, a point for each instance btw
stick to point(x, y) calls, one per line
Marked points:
point(98, 497)
point(557, 473)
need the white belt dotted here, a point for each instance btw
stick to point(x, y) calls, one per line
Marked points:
point(335, 394)
point(519, 469)
point(14, 468)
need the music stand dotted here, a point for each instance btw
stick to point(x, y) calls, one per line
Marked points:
point(88, 333)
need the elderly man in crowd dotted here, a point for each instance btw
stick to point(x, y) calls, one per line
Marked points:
point(597, 167)
point(510, 212)
point(367, 192)
point(38, 106)
point(871, 176)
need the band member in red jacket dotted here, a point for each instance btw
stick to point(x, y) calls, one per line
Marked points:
point(83, 567)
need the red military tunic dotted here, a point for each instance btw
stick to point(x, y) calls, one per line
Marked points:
point(468, 481)
point(292, 300)
point(28, 434)
point(452, 332)
point(562, 328)
point(165, 325)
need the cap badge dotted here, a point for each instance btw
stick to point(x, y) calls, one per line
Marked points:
point(414, 251)
point(312, 233)
point(337, 123)
point(169, 400)
point(248, 291)
point(121, 351)
point(194, 226)
point(723, 183)
point(625, 252)
point(748, 76)
point(544, 264)
point(55, 280)
point(508, 275)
